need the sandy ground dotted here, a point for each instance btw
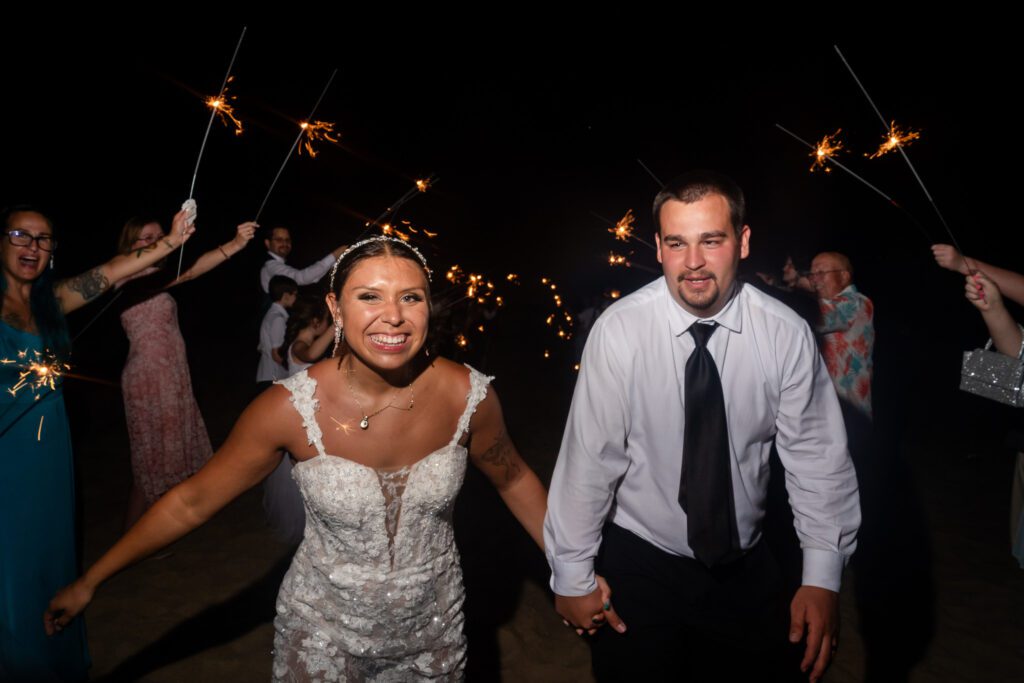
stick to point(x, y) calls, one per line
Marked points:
point(933, 595)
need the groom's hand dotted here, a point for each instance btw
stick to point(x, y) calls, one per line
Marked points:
point(589, 612)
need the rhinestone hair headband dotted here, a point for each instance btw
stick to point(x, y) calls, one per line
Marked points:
point(380, 238)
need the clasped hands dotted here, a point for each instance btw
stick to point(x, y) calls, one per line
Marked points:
point(587, 613)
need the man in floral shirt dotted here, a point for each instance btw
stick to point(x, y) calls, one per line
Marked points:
point(846, 328)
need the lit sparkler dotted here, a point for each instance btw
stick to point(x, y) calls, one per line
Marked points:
point(219, 106)
point(461, 341)
point(41, 371)
point(298, 138)
point(823, 152)
point(315, 131)
point(886, 123)
point(224, 110)
point(623, 230)
point(895, 139)
point(419, 186)
point(617, 260)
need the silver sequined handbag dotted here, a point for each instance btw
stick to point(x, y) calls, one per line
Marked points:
point(993, 375)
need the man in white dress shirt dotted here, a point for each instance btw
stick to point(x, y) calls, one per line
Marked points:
point(700, 593)
point(279, 245)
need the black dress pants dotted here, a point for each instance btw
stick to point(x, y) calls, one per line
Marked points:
point(686, 622)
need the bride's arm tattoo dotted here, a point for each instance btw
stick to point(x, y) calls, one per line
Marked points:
point(89, 285)
point(502, 455)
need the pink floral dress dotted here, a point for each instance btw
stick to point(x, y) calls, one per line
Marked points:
point(165, 428)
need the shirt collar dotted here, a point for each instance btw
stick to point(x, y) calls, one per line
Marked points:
point(730, 317)
point(275, 257)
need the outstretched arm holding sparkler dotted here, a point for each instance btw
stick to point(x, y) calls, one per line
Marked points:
point(1011, 284)
point(77, 291)
point(220, 254)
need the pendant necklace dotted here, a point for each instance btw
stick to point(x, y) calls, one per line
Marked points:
point(364, 424)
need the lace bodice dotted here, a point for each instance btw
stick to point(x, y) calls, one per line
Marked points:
point(375, 589)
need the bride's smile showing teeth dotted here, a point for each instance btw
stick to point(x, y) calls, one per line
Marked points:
point(388, 340)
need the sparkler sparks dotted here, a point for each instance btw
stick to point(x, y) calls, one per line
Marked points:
point(617, 260)
point(559, 320)
point(895, 139)
point(423, 185)
point(41, 371)
point(623, 230)
point(298, 138)
point(315, 131)
point(461, 341)
point(823, 152)
point(392, 231)
point(223, 109)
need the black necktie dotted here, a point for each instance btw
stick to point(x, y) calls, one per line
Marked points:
point(705, 487)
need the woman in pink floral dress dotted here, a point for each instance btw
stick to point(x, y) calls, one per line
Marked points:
point(165, 428)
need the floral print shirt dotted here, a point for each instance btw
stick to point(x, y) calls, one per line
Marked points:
point(847, 333)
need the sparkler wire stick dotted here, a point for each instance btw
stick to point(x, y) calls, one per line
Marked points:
point(209, 124)
point(98, 314)
point(840, 165)
point(213, 113)
point(29, 407)
point(903, 153)
point(651, 173)
point(302, 131)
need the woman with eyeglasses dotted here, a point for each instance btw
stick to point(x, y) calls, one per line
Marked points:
point(166, 431)
point(37, 489)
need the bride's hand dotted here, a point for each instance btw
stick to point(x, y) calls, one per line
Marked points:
point(66, 605)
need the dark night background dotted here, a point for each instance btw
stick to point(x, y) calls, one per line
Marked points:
point(531, 137)
point(529, 145)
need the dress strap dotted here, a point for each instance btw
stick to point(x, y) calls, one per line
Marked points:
point(478, 383)
point(302, 387)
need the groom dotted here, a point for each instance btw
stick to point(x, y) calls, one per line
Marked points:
point(661, 479)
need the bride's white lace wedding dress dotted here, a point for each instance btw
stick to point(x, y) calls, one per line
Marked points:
point(374, 592)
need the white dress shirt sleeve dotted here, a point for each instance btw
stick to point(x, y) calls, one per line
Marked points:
point(820, 477)
point(591, 461)
point(305, 276)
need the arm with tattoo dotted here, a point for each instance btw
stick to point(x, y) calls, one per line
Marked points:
point(77, 291)
point(517, 484)
point(89, 285)
point(502, 457)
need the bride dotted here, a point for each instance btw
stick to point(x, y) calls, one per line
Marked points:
point(381, 433)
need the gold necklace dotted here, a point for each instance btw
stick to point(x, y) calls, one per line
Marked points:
point(364, 424)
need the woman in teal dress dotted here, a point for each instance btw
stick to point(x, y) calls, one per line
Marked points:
point(37, 490)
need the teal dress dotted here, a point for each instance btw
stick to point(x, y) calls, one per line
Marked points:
point(37, 524)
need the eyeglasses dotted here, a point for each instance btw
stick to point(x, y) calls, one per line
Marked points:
point(21, 238)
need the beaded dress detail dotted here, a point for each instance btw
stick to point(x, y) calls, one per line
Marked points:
point(374, 592)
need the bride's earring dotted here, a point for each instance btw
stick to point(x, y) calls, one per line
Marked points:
point(339, 336)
